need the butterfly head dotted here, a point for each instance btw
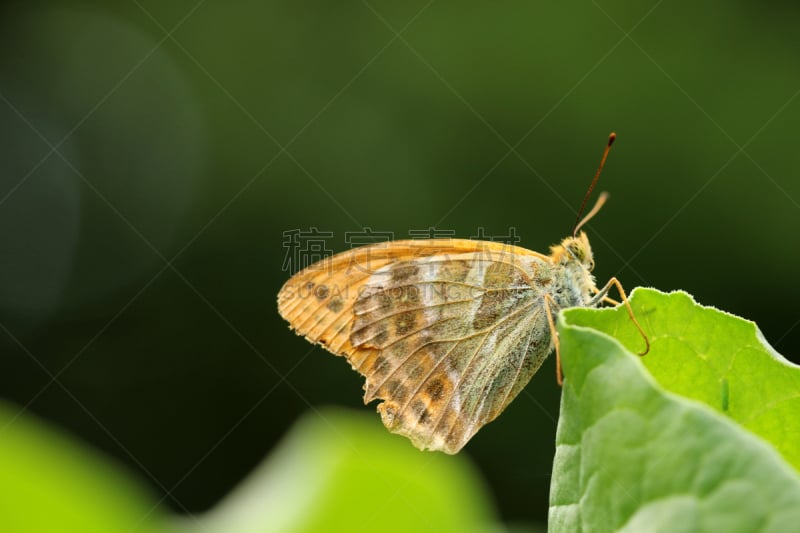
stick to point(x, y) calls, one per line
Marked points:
point(574, 250)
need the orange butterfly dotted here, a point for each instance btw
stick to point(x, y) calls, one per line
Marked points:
point(446, 331)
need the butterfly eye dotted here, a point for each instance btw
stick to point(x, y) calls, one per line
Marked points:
point(591, 265)
point(577, 252)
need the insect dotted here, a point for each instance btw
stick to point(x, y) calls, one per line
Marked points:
point(446, 332)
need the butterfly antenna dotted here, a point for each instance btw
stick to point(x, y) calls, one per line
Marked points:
point(603, 197)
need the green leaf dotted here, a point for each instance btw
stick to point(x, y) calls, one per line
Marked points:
point(632, 456)
point(342, 471)
point(714, 357)
point(48, 482)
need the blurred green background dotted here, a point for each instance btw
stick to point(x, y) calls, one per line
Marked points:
point(153, 155)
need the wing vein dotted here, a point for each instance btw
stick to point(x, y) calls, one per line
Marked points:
point(479, 405)
point(407, 335)
point(471, 361)
point(428, 375)
point(521, 361)
point(407, 358)
point(320, 303)
point(401, 311)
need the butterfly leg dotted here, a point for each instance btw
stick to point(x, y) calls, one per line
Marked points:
point(554, 335)
point(605, 298)
point(602, 295)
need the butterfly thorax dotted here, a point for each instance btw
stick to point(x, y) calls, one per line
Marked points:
point(573, 283)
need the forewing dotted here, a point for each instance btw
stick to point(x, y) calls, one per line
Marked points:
point(445, 331)
point(318, 301)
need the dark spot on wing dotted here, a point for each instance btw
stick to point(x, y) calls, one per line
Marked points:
point(396, 390)
point(405, 322)
point(456, 271)
point(380, 366)
point(322, 292)
point(419, 408)
point(381, 338)
point(491, 306)
point(416, 373)
point(402, 273)
point(499, 275)
point(411, 295)
point(435, 390)
point(336, 304)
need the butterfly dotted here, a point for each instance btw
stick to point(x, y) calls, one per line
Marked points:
point(447, 332)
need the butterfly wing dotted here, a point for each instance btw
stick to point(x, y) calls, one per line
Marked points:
point(447, 332)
